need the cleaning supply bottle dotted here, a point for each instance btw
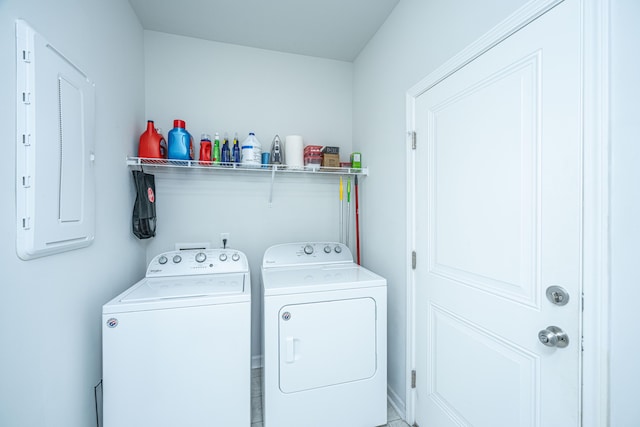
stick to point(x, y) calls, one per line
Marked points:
point(205, 149)
point(251, 151)
point(235, 155)
point(180, 142)
point(276, 151)
point(152, 143)
point(226, 152)
point(216, 149)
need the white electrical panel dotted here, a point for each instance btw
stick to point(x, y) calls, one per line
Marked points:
point(55, 178)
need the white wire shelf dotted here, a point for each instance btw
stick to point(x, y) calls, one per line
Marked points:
point(235, 167)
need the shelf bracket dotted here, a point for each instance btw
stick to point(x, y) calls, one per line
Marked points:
point(273, 177)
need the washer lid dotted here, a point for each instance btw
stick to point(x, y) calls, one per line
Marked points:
point(164, 288)
point(282, 281)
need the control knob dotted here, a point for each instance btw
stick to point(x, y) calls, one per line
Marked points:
point(162, 260)
point(338, 249)
point(308, 249)
point(222, 257)
point(201, 257)
point(235, 256)
point(327, 249)
point(177, 259)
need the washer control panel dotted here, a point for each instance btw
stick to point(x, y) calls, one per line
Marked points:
point(198, 261)
point(289, 254)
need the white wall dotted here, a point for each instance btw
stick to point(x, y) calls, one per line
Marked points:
point(418, 37)
point(219, 87)
point(625, 212)
point(50, 307)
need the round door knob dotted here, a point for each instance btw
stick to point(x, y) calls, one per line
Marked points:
point(553, 336)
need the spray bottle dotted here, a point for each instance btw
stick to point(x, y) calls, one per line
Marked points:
point(235, 155)
point(216, 149)
point(226, 152)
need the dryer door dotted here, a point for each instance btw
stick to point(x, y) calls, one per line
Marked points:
point(326, 343)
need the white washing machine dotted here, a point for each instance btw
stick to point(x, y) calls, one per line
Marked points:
point(177, 344)
point(324, 338)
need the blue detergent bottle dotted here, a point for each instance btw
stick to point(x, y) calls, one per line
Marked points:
point(180, 142)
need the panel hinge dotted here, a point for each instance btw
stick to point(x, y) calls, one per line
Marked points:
point(413, 260)
point(26, 223)
point(26, 181)
point(26, 98)
point(26, 56)
point(26, 139)
point(413, 140)
point(413, 379)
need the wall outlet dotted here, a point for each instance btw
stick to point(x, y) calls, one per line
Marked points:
point(224, 237)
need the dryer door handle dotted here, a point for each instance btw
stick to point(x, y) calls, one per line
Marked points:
point(290, 349)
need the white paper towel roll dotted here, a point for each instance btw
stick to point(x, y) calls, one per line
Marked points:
point(294, 151)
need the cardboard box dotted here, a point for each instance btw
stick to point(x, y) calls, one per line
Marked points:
point(331, 160)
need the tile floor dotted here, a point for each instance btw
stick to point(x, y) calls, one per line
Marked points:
point(393, 419)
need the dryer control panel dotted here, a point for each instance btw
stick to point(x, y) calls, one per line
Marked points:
point(304, 253)
point(198, 261)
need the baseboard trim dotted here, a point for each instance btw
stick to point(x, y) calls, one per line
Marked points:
point(396, 403)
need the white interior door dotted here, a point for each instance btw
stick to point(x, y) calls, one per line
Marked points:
point(498, 221)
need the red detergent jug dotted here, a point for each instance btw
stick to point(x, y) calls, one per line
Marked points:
point(205, 149)
point(152, 144)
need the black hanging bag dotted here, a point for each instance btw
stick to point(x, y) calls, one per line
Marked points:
point(143, 220)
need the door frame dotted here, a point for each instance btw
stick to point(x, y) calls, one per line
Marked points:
point(595, 185)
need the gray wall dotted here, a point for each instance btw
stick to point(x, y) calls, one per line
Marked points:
point(218, 87)
point(417, 38)
point(50, 307)
point(625, 212)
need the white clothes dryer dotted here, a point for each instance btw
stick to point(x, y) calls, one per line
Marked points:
point(324, 338)
point(177, 344)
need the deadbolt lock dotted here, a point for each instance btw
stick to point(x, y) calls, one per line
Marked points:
point(557, 295)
